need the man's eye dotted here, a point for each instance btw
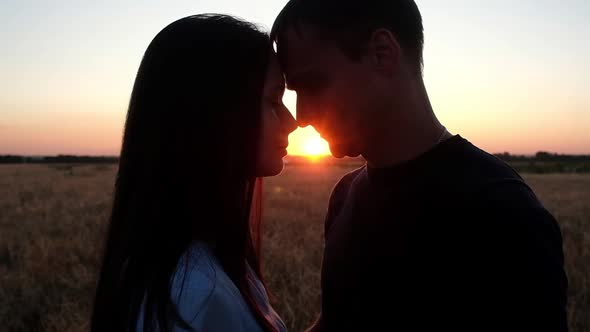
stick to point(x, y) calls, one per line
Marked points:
point(311, 89)
point(307, 92)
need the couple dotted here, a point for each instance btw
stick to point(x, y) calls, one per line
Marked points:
point(432, 234)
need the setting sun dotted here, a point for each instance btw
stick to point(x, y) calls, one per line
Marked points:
point(314, 146)
point(304, 141)
point(307, 142)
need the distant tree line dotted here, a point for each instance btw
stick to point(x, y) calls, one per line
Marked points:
point(59, 159)
point(541, 162)
point(543, 156)
point(547, 162)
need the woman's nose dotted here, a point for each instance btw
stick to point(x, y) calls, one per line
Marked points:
point(289, 122)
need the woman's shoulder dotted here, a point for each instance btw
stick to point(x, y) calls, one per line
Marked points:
point(204, 295)
point(194, 281)
point(198, 261)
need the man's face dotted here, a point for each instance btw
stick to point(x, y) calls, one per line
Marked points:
point(335, 94)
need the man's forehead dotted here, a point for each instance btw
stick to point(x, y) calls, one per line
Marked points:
point(299, 47)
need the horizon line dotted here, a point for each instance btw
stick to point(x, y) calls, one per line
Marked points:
point(289, 155)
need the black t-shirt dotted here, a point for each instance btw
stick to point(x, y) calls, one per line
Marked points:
point(452, 240)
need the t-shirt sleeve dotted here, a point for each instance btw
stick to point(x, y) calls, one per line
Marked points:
point(335, 203)
point(338, 197)
point(526, 263)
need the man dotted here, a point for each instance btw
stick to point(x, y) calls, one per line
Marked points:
point(433, 234)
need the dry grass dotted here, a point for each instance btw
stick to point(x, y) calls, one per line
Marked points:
point(52, 221)
point(567, 196)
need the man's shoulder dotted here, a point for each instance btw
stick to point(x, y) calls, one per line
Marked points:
point(492, 183)
point(477, 169)
point(345, 183)
point(484, 182)
point(502, 196)
point(340, 192)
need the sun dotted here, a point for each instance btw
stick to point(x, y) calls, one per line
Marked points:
point(305, 141)
point(308, 143)
point(314, 146)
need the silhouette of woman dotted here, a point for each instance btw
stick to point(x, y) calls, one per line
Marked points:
point(205, 122)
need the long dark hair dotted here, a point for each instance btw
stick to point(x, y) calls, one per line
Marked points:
point(186, 169)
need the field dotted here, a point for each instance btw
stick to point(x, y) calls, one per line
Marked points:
point(52, 220)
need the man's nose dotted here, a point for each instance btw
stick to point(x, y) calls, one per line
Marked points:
point(301, 122)
point(305, 114)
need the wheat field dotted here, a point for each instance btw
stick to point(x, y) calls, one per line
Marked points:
point(52, 222)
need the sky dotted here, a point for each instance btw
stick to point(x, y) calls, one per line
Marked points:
point(510, 76)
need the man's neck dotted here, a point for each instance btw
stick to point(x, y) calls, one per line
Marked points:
point(412, 130)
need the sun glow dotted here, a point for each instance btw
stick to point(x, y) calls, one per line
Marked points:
point(307, 142)
point(314, 146)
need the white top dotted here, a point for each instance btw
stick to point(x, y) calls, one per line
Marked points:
point(208, 300)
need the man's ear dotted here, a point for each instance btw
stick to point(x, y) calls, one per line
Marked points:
point(385, 51)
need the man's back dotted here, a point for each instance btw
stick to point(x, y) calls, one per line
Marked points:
point(453, 239)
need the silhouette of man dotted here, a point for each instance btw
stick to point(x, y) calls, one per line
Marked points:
point(433, 234)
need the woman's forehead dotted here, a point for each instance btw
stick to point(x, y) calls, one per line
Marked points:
point(275, 78)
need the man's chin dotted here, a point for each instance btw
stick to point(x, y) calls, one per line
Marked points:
point(337, 155)
point(341, 151)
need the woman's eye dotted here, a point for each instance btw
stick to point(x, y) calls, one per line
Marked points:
point(276, 101)
point(276, 108)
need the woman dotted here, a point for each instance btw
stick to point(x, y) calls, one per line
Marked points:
point(205, 121)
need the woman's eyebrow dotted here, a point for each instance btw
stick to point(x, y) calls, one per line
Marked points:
point(279, 88)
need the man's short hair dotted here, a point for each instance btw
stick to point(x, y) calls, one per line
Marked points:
point(350, 23)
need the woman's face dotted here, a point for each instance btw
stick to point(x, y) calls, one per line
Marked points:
point(277, 123)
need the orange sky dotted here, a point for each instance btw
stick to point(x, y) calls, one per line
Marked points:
point(62, 130)
point(514, 81)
